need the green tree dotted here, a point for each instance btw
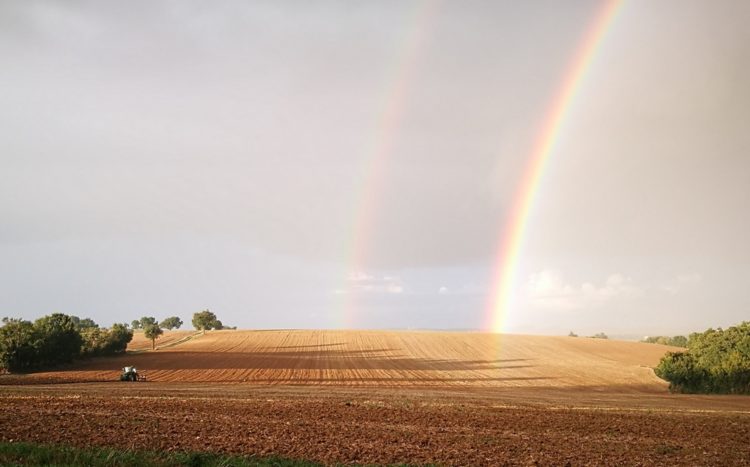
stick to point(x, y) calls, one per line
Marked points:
point(84, 323)
point(118, 338)
point(173, 322)
point(147, 320)
point(135, 324)
point(152, 331)
point(715, 361)
point(206, 320)
point(18, 345)
point(60, 340)
point(110, 341)
point(93, 341)
point(678, 341)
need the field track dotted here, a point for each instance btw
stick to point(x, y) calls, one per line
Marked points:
point(379, 358)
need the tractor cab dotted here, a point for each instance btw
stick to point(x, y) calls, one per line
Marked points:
point(130, 373)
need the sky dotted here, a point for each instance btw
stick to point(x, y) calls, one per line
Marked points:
point(340, 164)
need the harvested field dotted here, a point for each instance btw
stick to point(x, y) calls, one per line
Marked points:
point(382, 358)
point(384, 397)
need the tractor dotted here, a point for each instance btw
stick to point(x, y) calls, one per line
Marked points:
point(130, 373)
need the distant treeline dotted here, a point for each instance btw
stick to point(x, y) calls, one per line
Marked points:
point(55, 339)
point(716, 361)
point(676, 341)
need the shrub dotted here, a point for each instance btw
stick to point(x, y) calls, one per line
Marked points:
point(716, 361)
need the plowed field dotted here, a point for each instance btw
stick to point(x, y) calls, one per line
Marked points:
point(349, 397)
point(375, 358)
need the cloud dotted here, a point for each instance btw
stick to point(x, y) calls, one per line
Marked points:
point(683, 280)
point(547, 289)
point(361, 282)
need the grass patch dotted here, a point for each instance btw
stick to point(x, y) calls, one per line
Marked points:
point(51, 454)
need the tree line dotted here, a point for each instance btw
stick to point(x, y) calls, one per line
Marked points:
point(60, 338)
point(676, 341)
point(716, 361)
point(202, 321)
point(55, 339)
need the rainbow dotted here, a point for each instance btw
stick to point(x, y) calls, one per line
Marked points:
point(545, 143)
point(369, 181)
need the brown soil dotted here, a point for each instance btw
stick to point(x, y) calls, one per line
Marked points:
point(381, 358)
point(385, 397)
point(373, 426)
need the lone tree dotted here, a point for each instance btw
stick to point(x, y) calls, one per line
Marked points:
point(135, 324)
point(205, 320)
point(152, 331)
point(173, 322)
point(147, 321)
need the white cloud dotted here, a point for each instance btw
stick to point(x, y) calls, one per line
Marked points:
point(683, 280)
point(361, 282)
point(443, 290)
point(548, 289)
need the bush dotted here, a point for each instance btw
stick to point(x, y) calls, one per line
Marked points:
point(716, 361)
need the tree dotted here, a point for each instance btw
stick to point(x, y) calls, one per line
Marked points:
point(676, 341)
point(147, 320)
point(18, 345)
point(106, 341)
point(679, 341)
point(85, 323)
point(56, 338)
point(173, 322)
point(152, 331)
point(572, 334)
point(715, 361)
point(118, 338)
point(135, 324)
point(205, 320)
point(600, 335)
point(60, 340)
point(93, 341)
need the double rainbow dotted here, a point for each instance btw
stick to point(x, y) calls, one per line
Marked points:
point(370, 179)
point(511, 243)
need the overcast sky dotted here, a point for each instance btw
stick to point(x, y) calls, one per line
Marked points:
point(160, 158)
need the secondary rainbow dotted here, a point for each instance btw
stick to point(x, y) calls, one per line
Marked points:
point(511, 241)
point(369, 182)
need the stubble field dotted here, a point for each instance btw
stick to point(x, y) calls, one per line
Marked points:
point(383, 397)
